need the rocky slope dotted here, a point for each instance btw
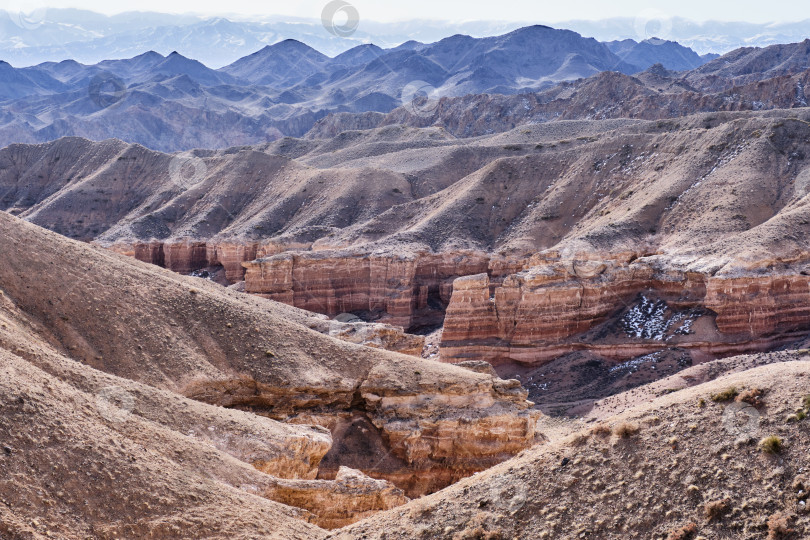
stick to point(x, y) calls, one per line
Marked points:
point(713, 204)
point(71, 470)
point(683, 465)
point(418, 423)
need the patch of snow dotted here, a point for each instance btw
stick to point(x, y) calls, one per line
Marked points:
point(635, 363)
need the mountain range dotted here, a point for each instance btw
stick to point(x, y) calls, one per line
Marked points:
point(173, 102)
point(57, 34)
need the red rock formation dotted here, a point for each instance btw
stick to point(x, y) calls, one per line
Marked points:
point(760, 305)
point(553, 308)
point(231, 255)
point(445, 431)
point(185, 256)
point(182, 257)
point(403, 290)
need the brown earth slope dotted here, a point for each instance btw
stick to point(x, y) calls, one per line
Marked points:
point(682, 466)
point(701, 219)
point(69, 472)
point(418, 423)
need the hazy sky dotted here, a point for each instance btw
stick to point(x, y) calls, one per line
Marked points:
point(457, 10)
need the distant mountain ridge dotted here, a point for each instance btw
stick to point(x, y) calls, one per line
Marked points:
point(470, 86)
point(173, 102)
point(88, 37)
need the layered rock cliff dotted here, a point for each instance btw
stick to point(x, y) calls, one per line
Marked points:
point(186, 255)
point(350, 497)
point(621, 309)
point(409, 290)
point(419, 429)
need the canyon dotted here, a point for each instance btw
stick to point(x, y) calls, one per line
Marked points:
point(620, 311)
point(553, 292)
point(520, 247)
point(358, 427)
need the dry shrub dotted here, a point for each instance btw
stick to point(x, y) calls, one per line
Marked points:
point(726, 395)
point(779, 527)
point(625, 430)
point(602, 430)
point(687, 532)
point(753, 397)
point(715, 509)
point(579, 439)
point(479, 533)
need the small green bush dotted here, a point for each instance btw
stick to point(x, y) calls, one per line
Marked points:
point(771, 444)
point(726, 395)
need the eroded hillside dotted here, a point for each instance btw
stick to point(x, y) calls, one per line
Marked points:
point(135, 338)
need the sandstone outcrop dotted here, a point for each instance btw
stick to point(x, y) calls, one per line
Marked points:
point(430, 429)
point(760, 305)
point(408, 290)
point(350, 497)
point(186, 255)
point(378, 336)
point(444, 430)
point(620, 309)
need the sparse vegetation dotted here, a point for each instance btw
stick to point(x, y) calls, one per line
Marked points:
point(725, 395)
point(779, 527)
point(601, 430)
point(626, 430)
point(714, 510)
point(771, 444)
point(579, 439)
point(752, 397)
point(687, 532)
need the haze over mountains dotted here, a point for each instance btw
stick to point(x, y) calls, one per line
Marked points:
point(58, 34)
point(171, 103)
point(175, 103)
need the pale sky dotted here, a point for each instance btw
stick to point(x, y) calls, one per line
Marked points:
point(456, 10)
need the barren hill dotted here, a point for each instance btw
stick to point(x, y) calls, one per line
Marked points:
point(699, 219)
point(655, 93)
point(685, 465)
point(218, 346)
point(173, 102)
